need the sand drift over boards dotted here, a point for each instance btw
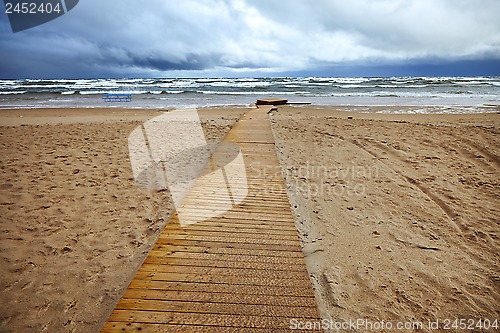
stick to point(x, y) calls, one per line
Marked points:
point(153, 93)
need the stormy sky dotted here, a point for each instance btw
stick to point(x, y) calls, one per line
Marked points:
point(225, 38)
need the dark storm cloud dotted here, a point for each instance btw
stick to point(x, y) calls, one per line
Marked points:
point(191, 62)
point(222, 37)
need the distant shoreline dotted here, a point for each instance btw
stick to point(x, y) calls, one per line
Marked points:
point(121, 109)
point(175, 93)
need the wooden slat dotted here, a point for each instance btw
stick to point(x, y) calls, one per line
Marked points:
point(257, 226)
point(205, 319)
point(277, 260)
point(211, 297)
point(119, 327)
point(225, 250)
point(237, 229)
point(229, 239)
point(228, 244)
point(219, 308)
point(239, 272)
point(224, 264)
point(221, 279)
point(286, 235)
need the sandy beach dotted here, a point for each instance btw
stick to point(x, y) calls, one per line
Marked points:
point(74, 227)
point(398, 214)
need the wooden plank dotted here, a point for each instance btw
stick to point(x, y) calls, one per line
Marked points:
point(229, 271)
point(225, 257)
point(272, 206)
point(221, 279)
point(259, 291)
point(224, 250)
point(119, 327)
point(224, 264)
point(271, 221)
point(257, 226)
point(229, 239)
point(212, 297)
point(215, 308)
point(219, 320)
point(227, 244)
point(255, 216)
point(237, 228)
point(235, 233)
point(201, 216)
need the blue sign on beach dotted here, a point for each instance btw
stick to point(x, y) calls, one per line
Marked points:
point(117, 98)
point(26, 14)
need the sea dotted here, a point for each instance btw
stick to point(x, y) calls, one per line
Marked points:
point(469, 92)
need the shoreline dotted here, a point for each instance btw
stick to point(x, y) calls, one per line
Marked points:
point(298, 104)
point(327, 91)
point(34, 116)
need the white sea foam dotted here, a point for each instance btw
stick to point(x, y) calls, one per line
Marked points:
point(152, 92)
point(207, 92)
point(12, 92)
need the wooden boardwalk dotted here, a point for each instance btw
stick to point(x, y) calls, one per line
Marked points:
point(240, 271)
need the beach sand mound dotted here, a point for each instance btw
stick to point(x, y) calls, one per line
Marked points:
point(399, 215)
point(74, 226)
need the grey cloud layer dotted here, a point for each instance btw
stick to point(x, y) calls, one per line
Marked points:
point(155, 37)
